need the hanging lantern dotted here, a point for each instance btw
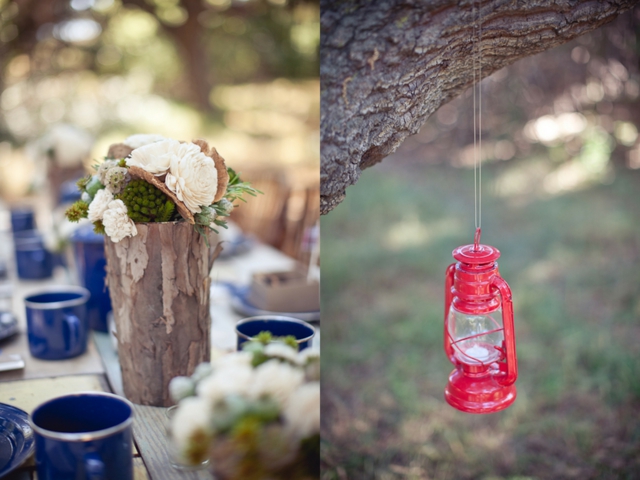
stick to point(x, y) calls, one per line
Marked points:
point(479, 336)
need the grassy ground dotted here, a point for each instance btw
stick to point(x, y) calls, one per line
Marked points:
point(572, 261)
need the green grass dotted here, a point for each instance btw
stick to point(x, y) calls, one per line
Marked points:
point(572, 262)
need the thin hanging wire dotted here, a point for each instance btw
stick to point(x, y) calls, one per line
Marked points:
point(477, 117)
point(474, 56)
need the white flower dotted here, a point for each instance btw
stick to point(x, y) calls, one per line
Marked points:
point(309, 359)
point(308, 355)
point(192, 177)
point(191, 422)
point(141, 139)
point(117, 223)
point(104, 168)
point(280, 350)
point(99, 204)
point(276, 380)
point(240, 358)
point(231, 380)
point(302, 410)
point(181, 387)
point(201, 372)
point(155, 157)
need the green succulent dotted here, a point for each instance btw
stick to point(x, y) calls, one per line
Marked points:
point(146, 203)
point(77, 211)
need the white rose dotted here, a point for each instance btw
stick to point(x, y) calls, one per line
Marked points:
point(141, 139)
point(232, 380)
point(181, 387)
point(191, 424)
point(276, 380)
point(99, 204)
point(282, 351)
point(308, 355)
point(193, 177)
point(302, 410)
point(117, 223)
point(234, 359)
point(155, 157)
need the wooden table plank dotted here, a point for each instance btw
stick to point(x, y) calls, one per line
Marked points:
point(28, 394)
point(150, 435)
point(109, 361)
point(139, 470)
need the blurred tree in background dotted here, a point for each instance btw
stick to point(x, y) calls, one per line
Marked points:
point(241, 73)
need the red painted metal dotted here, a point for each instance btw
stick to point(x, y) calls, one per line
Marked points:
point(474, 289)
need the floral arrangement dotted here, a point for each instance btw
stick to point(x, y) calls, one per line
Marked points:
point(149, 178)
point(254, 413)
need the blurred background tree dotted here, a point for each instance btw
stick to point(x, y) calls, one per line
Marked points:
point(241, 73)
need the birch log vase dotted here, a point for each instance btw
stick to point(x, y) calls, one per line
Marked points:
point(159, 285)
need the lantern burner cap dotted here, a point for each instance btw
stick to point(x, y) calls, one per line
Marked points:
point(476, 256)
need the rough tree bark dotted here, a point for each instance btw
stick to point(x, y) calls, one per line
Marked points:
point(159, 286)
point(387, 65)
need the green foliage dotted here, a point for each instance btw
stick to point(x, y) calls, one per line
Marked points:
point(77, 211)
point(146, 203)
point(83, 182)
point(98, 227)
point(93, 186)
point(266, 337)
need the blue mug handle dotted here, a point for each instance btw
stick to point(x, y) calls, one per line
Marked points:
point(73, 324)
point(94, 467)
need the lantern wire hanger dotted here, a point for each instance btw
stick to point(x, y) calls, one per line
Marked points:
point(477, 124)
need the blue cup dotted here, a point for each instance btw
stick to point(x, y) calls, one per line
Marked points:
point(279, 326)
point(57, 325)
point(85, 435)
point(88, 248)
point(69, 192)
point(22, 218)
point(33, 260)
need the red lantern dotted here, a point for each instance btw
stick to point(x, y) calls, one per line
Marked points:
point(479, 336)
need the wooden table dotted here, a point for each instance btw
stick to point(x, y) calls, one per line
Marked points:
point(98, 368)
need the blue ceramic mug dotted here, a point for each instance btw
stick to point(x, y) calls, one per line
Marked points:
point(33, 260)
point(85, 435)
point(22, 218)
point(279, 326)
point(57, 322)
point(90, 261)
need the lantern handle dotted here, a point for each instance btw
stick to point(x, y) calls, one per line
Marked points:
point(448, 298)
point(509, 331)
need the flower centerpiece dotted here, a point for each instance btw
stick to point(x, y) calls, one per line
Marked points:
point(158, 202)
point(255, 413)
point(149, 178)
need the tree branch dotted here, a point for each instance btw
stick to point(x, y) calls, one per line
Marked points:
point(386, 66)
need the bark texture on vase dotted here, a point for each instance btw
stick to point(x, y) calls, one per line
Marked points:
point(159, 285)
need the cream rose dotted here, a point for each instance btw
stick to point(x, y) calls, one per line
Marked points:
point(117, 223)
point(156, 157)
point(302, 410)
point(231, 380)
point(276, 380)
point(192, 177)
point(141, 139)
point(99, 204)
